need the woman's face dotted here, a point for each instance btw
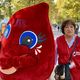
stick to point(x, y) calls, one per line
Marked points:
point(69, 30)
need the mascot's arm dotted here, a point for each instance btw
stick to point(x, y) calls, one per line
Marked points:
point(18, 61)
point(11, 65)
point(24, 61)
point(27, 59)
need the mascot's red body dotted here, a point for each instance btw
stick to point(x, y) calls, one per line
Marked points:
point(28, 45)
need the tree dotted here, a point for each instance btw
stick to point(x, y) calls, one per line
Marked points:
point(71, 9)
point(19, 4)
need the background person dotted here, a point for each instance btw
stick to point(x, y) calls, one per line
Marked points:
point(65, 45)
point(3, 26)
point(77, 29)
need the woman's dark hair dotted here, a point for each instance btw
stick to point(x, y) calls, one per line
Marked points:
point(66, 22)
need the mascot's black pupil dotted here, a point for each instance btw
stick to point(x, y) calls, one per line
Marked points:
point(27, 40)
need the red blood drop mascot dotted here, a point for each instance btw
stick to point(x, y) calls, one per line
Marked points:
point(27, 46)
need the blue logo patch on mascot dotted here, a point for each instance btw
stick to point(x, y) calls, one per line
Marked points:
point(28, 38)
point(7, 31)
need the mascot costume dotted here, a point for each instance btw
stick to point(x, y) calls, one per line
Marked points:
point(27, 46)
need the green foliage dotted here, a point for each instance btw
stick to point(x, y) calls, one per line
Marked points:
point(26, 3)
point(68, 9)
point(71, 9)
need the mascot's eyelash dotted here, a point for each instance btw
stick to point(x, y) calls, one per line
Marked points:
point(41, 38)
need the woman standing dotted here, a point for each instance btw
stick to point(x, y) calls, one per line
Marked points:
point(65, 45)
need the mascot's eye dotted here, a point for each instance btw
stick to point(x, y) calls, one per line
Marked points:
point(28, 38)
point(7, 31)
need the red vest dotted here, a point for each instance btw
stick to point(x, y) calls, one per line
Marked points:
point(64, 53)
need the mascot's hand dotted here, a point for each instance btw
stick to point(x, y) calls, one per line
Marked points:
point(5, 63)
point(6, 66)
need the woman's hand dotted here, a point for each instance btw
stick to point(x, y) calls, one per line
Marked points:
point(72, 65)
